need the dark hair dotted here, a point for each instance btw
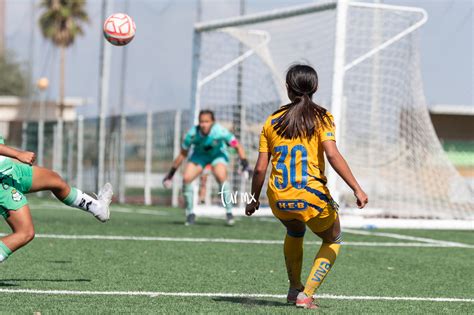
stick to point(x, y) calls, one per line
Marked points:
point(301, 117)
point(207, 112)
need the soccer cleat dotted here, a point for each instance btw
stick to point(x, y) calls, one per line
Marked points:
point(230, 219)
point(190, 219)
point(292, 294)
point(306, 302)
point(104, 198)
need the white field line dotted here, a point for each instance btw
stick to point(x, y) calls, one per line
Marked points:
point(54, 206)
point(238, 295)
point(396, 236)
point(403, 237)
point(233, 241)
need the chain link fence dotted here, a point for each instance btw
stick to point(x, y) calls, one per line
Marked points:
point(139, 152)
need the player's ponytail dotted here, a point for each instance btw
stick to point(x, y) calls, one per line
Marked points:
point(302, 116)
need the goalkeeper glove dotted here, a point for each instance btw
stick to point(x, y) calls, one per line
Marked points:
point(167, 179)
point(245, 167)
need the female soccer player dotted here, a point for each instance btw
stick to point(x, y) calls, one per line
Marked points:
point(209, 141)
point(294, 138)
point(18, 179)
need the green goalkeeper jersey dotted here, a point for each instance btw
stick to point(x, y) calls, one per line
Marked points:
point(212, 144)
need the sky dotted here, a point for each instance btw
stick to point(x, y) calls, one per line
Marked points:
point(158, 73)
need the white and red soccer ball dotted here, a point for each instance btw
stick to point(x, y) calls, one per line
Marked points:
point(119, 29)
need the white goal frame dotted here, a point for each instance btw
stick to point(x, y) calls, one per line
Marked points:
point(340, 66)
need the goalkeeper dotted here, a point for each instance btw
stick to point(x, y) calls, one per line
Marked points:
point(209, 142)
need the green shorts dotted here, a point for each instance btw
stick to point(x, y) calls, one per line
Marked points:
point(204, 160)
point(15, 182)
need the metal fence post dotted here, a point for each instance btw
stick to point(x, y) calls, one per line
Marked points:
point(121, 164)
point(80, 151)
point(176, 150)
point(148, 157)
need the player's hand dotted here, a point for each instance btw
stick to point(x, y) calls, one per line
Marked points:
point(245, 168)
point(167, 183)
point(362, 198)
point(251, 207)
point(27, 157)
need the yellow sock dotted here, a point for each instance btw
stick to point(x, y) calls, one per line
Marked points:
point(322, 264)
point(293, 250)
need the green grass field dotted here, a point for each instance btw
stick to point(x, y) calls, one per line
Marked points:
point(77, 265)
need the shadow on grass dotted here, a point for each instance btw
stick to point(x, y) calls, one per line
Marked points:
point(5, 284)
point(251, 301)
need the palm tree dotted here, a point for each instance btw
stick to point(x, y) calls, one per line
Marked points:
point(61, 22)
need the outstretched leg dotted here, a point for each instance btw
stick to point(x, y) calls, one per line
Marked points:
point(23, 232)
point(46, 179)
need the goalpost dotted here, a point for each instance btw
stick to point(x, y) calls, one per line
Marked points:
point(367, 58)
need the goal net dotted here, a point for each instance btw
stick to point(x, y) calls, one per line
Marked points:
point(382, 119)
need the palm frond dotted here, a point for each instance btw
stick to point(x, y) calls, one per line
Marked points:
point(62, 23)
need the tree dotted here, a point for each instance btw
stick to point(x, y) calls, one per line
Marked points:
point(13, 79)
point(61, 22)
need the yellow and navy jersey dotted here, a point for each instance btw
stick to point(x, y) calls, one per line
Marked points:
point(297, 180)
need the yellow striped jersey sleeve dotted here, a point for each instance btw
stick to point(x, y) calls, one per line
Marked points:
point(327, 131)
point(264, 141)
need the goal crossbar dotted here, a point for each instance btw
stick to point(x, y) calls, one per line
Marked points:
point(267, 16)
point(395, 38)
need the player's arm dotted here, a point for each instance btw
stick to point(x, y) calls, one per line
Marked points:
point(234, 143)
point(240, 150)
point(176, 163)
point(259, 172)
point(22, 156)
point(258, 179)
point(340, 165)
point(185, 146)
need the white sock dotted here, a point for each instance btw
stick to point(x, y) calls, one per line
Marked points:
point(81, 200)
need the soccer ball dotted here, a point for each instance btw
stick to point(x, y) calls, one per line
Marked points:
point(119, 29)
